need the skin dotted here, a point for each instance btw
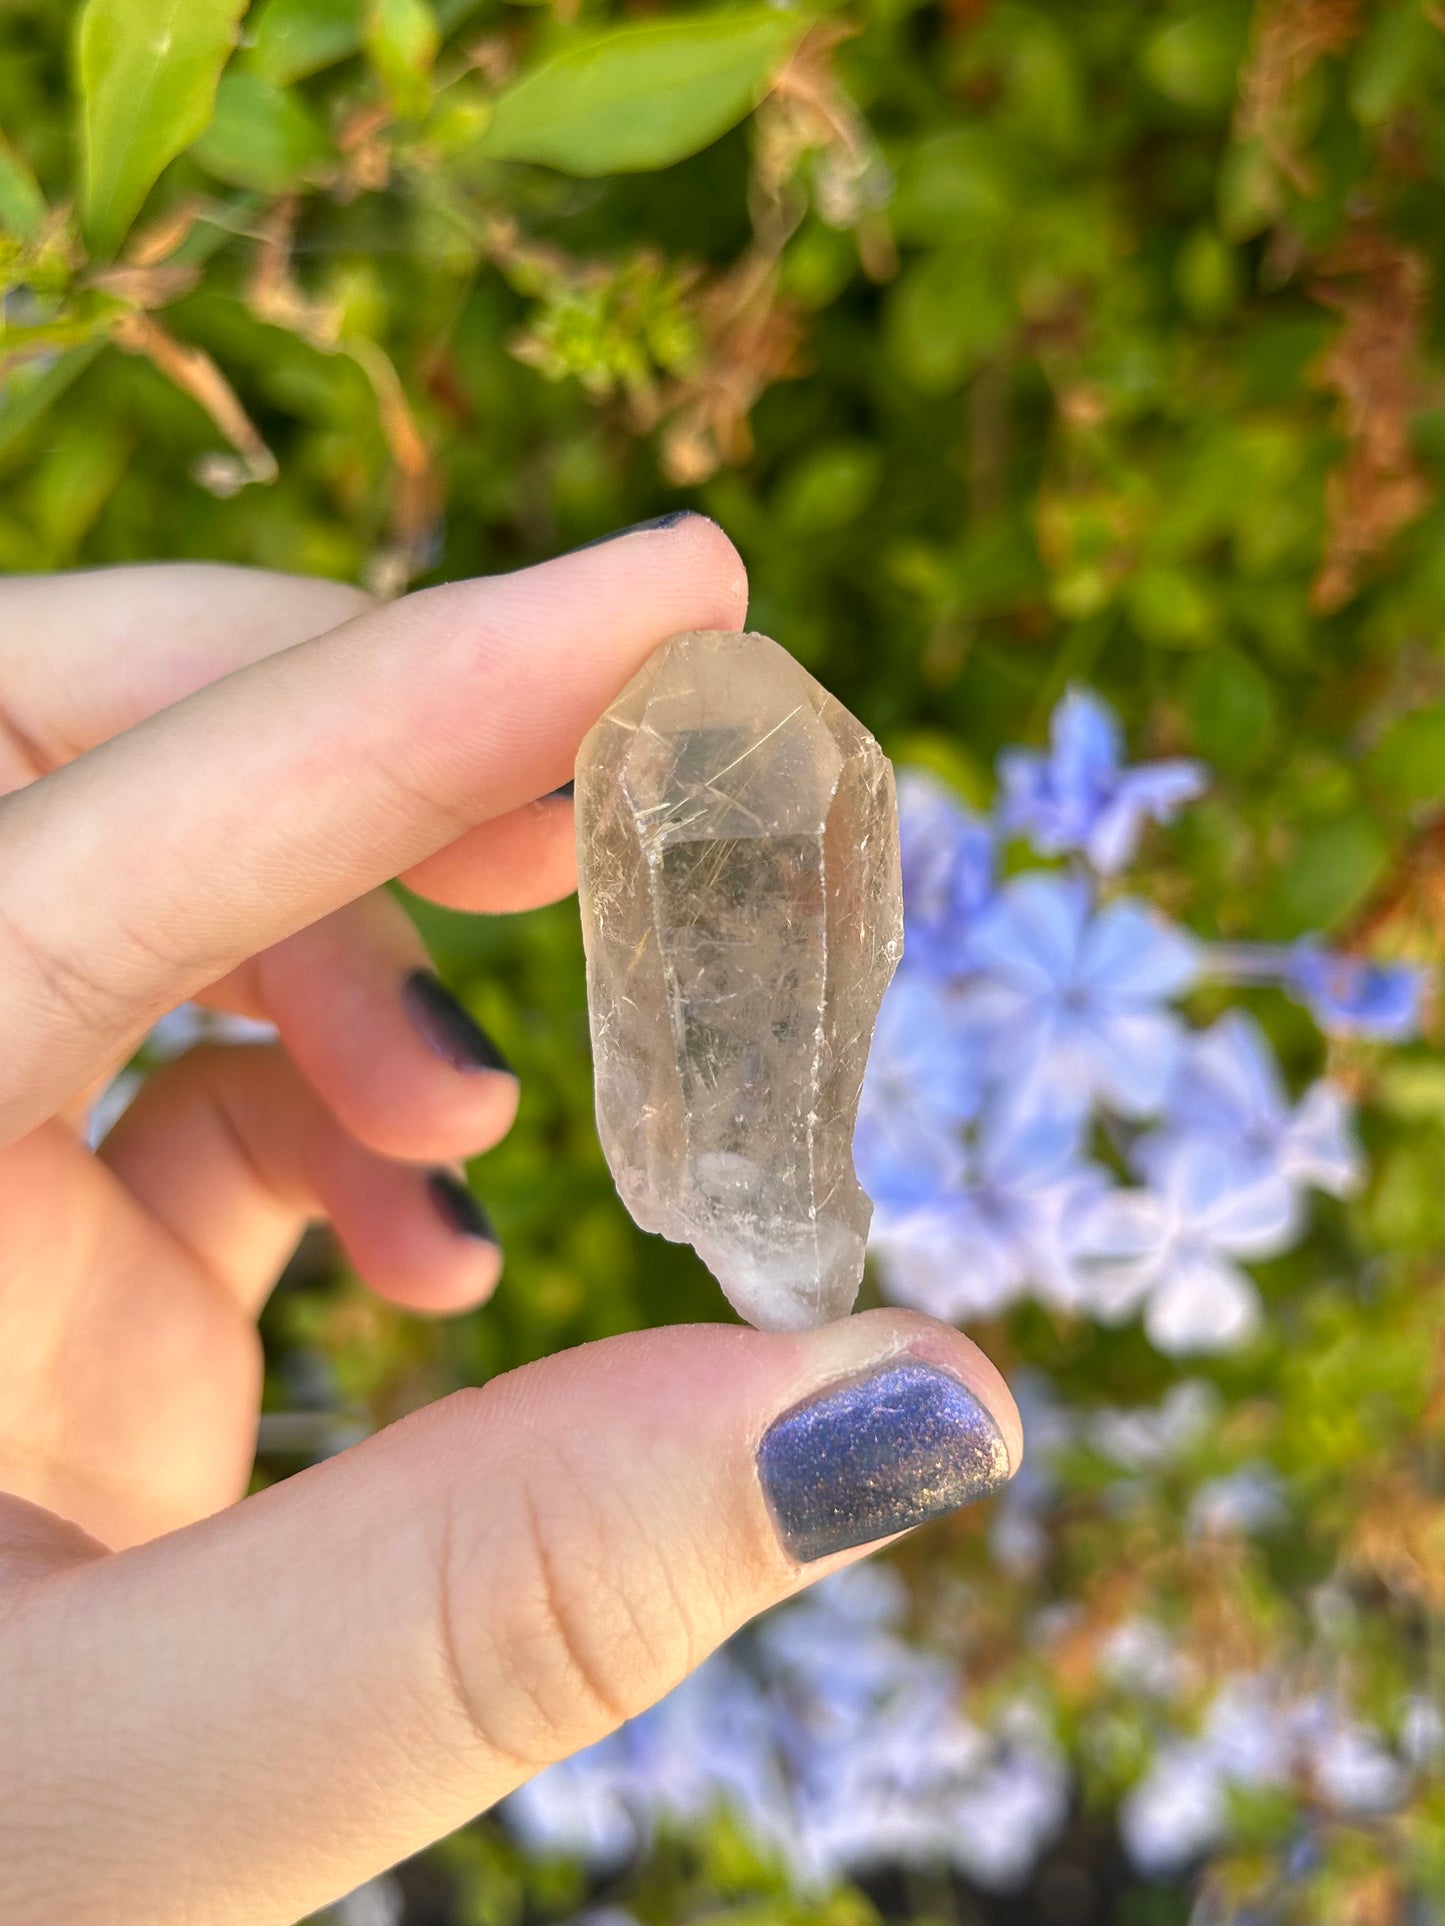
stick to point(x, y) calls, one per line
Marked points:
point(218, 1711)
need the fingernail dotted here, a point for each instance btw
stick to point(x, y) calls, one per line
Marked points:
point(669, 520)
point(458, 1209)
point(876, 1456)
point(564, 792)
point(452, 1032)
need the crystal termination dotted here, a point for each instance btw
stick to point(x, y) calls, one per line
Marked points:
point(737, 840)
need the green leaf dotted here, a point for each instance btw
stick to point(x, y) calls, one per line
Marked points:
point(1045, 91)
point(955, 187)
point(1394, 62)
point(1406, 763)
point(22, 205)
point(1410, 1087)
point(1206, 273)
point(945, 318)
point(1231, 708)
point(642, 96)
point(1402, 1211)
point(829, 488)
point(148, 75)
point(1332, 871)
point(83, 460)
point(1171, 607)
point(401, 38)
point(293, 38)
point(32, 389)
point(1194, 61)
point(261, 138)
point(1250, 196)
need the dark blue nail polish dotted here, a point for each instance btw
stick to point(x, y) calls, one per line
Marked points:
point(669, 520)
point(448, 1029)
point(860, 1462)
point(458, 1209)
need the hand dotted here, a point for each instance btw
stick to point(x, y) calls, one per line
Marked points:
point(225, 1711)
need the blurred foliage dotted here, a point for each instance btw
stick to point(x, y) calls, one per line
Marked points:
point(1014, 344)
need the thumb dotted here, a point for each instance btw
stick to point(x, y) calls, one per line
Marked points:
point(251, 1716)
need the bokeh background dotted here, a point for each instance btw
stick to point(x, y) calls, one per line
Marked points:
point(1018, 347)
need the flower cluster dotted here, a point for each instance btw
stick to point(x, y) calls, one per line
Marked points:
point(840, 1746)
point(1256, 1735)
point(836, 1743)
point(1038, 1117)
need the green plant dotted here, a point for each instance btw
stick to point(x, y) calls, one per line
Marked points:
point(1015, 344)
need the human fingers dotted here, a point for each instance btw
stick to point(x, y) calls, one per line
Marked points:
point(520, 861)
point(88, 654)
point(365, 1018)
point(233, 1153)
point(289, 1696)
point(393, 1054)
point(155, 863)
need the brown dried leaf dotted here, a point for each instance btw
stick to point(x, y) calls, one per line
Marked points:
point(1378, 287)
point(146, 287)
point(365, 150)
point(809, 113)
point(272, 292)
point(1399, 1538)
point(752, 338)
point(1289, 38)
point(157, 241)
point(274, 295)
point(192, 370)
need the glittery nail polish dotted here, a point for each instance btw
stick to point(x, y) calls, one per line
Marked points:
point(448, 1029)
point(875, 1456)
point(669, 520)
point(459, 1209)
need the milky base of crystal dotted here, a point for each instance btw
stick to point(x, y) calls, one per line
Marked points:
point(737, 850)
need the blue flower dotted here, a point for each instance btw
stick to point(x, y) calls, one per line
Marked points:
point(1004, 1227)
point(1255, 1733)
point(1251, 1499)
point(1229, 1087)
point(1081, 797)
point(1171, 1248)
point(1071, 996)
point(948, 862)
point(1348, 996)
point(581, 1805)
point(923, 1081)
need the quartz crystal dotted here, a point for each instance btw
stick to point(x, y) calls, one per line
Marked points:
point(737, 841)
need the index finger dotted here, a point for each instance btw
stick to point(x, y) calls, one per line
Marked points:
point(158, 861)
point(86, 654)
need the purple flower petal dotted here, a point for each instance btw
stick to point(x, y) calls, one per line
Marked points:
point(948, 859)
point(1030, 935)
point(1080, 797)
point(1220, 1199)
point(1229, 1083)
point(952, 1263)
point(1319, 1146)
point(1130, 953)
point(922, 1083)
point(1152, 792)
point(1133, 1057)
point(1351, 997)
point(1203, 1303)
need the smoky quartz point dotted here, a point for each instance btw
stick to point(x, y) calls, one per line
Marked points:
point(737, 839)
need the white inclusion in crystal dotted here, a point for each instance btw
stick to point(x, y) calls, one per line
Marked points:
point(737, 843)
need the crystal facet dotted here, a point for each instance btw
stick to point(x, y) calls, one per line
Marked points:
point(737, 841)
